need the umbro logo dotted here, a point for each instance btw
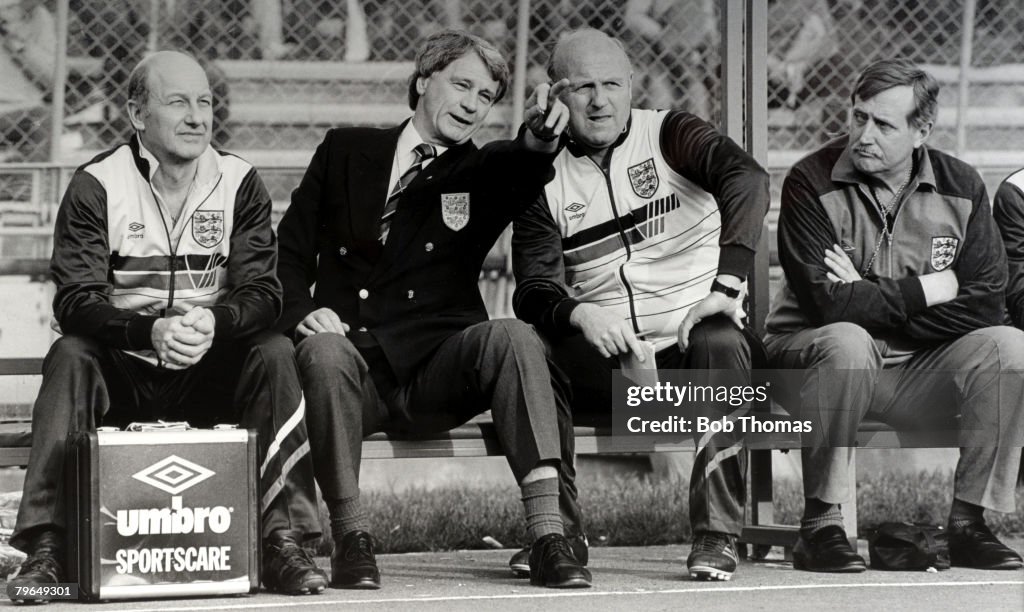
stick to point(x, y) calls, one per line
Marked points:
point(135, 226)
point(576, 210)
point(173, 474)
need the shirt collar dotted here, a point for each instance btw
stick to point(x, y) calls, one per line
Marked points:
point(408, 140)
point(845, 172)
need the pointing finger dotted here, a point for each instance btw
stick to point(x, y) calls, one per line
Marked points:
point(557, 89)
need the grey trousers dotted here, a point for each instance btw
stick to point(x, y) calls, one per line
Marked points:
point(495, 365)
point(976, 385)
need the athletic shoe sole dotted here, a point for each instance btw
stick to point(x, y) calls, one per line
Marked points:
point(703, 572)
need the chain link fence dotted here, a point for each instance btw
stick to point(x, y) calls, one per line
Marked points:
point(816, 48)
point(285, 70)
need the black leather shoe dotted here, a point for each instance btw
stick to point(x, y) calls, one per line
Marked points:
point(713, 556)
point(288, 568)
point(520, 562)
point(553, 565)
point(976, 546)
point(44, 566)
point(353, 565)
point(827, 550)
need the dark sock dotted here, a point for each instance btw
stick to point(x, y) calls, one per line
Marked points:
point(540, 500)
point(818, 514)
point(962, 514)
point(346, 516)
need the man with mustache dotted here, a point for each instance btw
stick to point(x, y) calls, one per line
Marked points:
point(893, 304)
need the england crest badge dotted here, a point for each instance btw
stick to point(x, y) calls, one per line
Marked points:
point(208, 227)
point(455, 210)
point(643, 177)
point(943, 251)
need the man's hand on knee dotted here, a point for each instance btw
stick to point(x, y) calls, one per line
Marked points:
point(322, 320)
point(606, 331)
point(714, 303)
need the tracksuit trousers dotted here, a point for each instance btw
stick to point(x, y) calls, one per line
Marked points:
point(252, 383)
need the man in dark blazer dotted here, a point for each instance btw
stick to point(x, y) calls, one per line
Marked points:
point(392, 227)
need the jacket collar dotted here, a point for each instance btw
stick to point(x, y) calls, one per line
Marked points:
point(147, 163)
point(576, 150)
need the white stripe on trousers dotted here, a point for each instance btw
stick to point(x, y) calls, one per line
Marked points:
point(292, 422)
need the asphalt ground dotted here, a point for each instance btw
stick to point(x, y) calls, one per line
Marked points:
point(636, 579)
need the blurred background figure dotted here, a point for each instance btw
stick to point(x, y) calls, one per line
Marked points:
point(672, 43)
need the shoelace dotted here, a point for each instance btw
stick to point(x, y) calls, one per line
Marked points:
point(45, 563)
point(559, 545)
point(362, 551)
point(714, 544)
point(983, 534)
point(294, 556)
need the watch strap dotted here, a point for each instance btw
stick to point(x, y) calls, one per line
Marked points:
point(724, 289)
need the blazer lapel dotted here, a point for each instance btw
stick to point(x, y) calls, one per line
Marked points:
point(368, 187)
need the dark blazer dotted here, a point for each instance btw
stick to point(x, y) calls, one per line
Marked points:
point(408, 296)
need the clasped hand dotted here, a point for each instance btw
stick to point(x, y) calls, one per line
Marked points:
point(182, 340)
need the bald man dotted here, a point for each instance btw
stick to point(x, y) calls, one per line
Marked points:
point(647, 231)
point(164, 263)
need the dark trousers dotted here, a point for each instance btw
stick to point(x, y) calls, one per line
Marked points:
point(974, 384)
point(717, 490)
point(496, 365)
point(255, 384)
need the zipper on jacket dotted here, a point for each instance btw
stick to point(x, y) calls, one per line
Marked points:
point(173, 248)
point(606, 171)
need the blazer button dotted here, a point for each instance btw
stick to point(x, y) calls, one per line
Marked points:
point(342, 251)
point(363, 294)
point(412, 294)
point(362, 329)
point(428, 247)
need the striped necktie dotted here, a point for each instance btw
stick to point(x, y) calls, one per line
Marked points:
point(423, 152)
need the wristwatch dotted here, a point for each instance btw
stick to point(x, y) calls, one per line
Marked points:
point(724, 289)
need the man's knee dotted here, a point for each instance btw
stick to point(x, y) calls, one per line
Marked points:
point(512, 333)
point(998, 348)
point(843, 346)
point(273, 349)
point(73, 350)
point(719, 337)
point(328, 352)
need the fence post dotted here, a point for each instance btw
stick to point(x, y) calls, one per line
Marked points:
point(522, 57)
point(154, 24)
point(966, 54)
point(731, 50)
point(60, 77)
point(755, 130)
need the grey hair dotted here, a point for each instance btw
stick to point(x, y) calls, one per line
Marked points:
point(899, 72)
point(446, 46)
